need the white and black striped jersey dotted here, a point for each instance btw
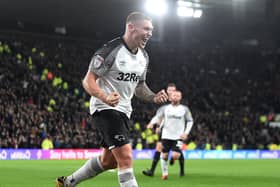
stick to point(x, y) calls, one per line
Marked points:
point(177, 120)
point(119, 70)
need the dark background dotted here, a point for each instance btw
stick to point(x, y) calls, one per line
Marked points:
point(221, 19)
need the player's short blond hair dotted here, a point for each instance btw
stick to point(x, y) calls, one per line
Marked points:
point(171, 85)
point(136, 16)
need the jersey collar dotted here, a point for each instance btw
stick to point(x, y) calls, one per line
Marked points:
point(126, 46)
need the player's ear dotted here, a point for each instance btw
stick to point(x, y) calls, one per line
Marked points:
point(130, 27)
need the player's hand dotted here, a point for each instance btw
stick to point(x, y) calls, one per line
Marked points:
point(149, 126)
point(184, 136)
point(160, 97)
point(112, 99)
point(157, 130)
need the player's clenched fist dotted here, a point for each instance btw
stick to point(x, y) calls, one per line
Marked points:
point(150, 126)
point(112, 99)
point(161, 97)
point(184, 136)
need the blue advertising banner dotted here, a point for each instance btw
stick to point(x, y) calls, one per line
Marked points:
point(62, 154)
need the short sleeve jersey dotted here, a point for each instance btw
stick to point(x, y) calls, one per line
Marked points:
point(119, 70)
point(174, 120)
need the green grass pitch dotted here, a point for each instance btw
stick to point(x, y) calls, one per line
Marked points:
point(199, 173)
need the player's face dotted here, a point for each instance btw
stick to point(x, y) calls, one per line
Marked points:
point(176, 97)
point(142, 32)
point(169, 90)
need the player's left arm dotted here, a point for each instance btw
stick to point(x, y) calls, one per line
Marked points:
point(143, 92)
point(189, 124)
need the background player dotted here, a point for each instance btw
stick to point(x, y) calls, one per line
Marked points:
point(150, 172)
point(177, 123)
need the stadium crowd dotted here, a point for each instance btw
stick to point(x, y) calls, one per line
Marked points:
point(233, 93)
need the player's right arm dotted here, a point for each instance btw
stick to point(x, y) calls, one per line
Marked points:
point(92, 88)
point(99, 66)
point(157, 119)
point(151, 125)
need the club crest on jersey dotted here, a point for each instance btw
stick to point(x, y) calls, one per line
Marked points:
point(98, 60)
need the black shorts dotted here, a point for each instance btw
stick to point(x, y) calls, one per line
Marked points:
point(171, 145)
point(113, 126)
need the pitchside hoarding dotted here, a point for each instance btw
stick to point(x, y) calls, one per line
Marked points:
point(81, 154)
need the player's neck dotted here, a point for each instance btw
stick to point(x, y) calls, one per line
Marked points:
point(129, 43)
point(175, 103)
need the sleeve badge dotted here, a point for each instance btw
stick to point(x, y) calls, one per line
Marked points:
point(98, 60)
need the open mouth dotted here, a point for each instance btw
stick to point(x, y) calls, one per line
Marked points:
point(144, 40)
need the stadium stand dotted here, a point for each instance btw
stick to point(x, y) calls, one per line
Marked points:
point(233, 93)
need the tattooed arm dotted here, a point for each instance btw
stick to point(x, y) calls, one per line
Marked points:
point(143, 92)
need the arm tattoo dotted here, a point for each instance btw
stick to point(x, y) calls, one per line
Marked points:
point(143, 92)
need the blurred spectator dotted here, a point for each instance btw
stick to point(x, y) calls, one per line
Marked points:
point(47, 143)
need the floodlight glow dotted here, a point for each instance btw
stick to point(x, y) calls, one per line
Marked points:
point(196, 5)
point(184, 3)
point(158, 7)
point(184, 11)
point(197, 13)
